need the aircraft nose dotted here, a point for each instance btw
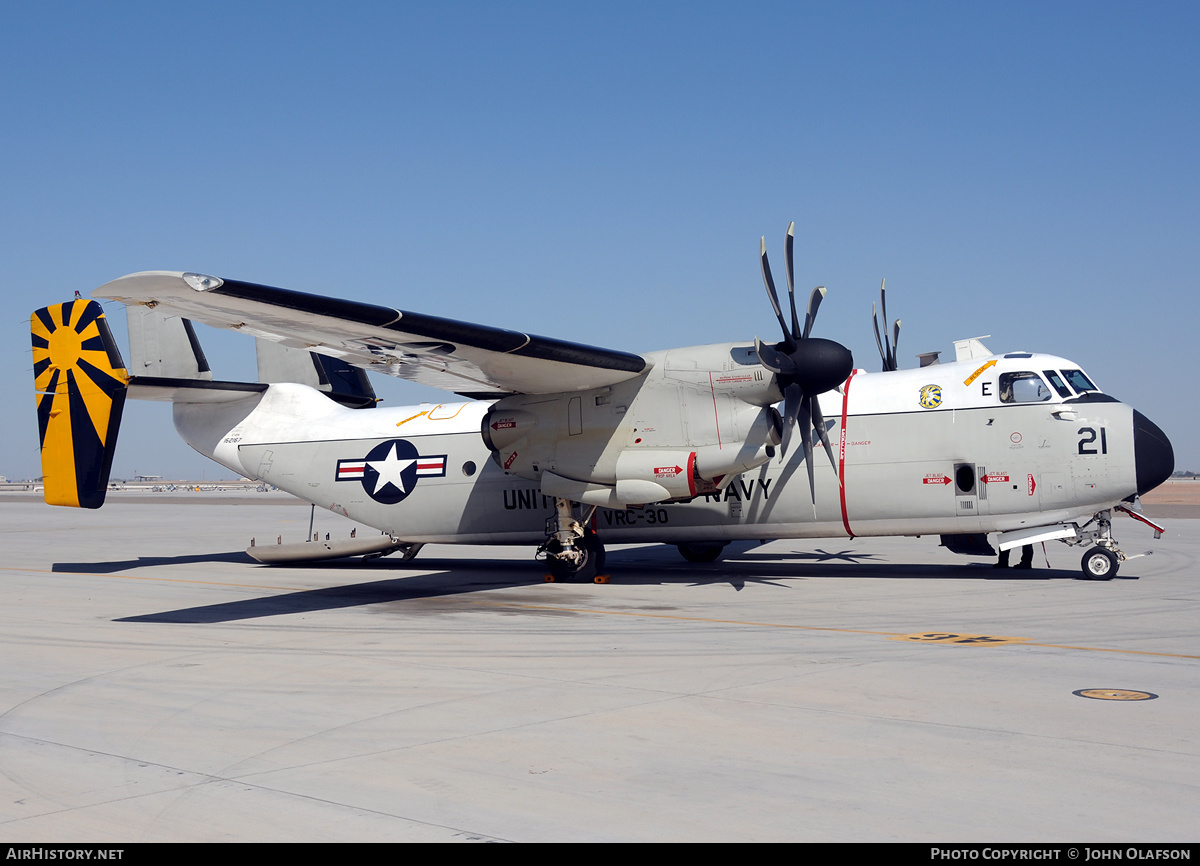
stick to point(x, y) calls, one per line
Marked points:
point(1153, 456)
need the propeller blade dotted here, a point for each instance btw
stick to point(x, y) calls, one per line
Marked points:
point(883, 303)
point(819, 425)
point(805, 420)
point(774, 360)
point(788, 243)
point(878, 341)
point(814, 303)
point(889, 361)
point(895, 344)
point(793, 399)
point(771, 293)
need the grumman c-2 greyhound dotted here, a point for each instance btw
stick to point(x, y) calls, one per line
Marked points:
point(569, 446)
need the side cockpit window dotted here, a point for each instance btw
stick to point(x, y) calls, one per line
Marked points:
point(1024, 387)
point(1079, 382)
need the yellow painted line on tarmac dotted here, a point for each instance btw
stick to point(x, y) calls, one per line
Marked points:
point(1103, 649)
point(966, 640)
point(676, 617)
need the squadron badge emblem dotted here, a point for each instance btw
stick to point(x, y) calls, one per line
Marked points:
point(390, 470)
point(931, 396)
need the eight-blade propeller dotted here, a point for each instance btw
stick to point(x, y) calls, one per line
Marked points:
point(805, 366)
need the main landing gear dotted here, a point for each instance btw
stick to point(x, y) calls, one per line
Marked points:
point(572, 549)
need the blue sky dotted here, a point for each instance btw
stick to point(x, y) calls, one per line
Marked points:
point(603, 174)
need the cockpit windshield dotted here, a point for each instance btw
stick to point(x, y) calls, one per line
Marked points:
point(1079, 382)
point(1023, 387)
point(1057, 382)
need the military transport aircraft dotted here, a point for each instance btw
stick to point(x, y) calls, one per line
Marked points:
point(569, 446)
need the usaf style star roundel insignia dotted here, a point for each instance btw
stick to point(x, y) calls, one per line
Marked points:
point(390, 470)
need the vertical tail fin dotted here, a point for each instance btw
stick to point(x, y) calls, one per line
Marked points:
point(163, 346)
point(81, 383)
point(335, 378)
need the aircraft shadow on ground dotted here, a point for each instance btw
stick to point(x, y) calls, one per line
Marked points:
point(450, 578)
point(439, 579)
point(143, 561)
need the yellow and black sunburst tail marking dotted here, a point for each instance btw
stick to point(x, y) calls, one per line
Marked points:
point(81, 383)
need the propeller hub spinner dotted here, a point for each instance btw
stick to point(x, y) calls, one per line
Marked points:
point(820, 365)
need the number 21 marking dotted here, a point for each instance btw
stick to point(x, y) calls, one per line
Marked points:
point(1089, 439)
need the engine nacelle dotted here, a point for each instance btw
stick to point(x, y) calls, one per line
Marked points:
point(671, 472)
point(722, 461)
point(697, 418)
point(500, 429)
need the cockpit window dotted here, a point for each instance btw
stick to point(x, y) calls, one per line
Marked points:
point(1079, 382)
point(1024, 387)
point(1057, 382)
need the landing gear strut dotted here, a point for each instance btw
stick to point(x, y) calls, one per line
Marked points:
point(572, 549)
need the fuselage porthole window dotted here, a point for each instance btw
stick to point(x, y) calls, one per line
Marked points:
point(1023, 387)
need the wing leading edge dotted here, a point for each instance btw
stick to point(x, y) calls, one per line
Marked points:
point(469, 359)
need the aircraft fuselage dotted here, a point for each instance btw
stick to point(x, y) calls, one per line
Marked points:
point(991, 444)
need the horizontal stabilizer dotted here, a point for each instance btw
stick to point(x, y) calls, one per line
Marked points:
point(81, 386)
point(190, 390)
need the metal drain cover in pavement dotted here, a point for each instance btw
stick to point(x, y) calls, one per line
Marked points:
point(1114, 695)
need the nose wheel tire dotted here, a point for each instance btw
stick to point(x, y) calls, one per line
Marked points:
point(1100, 564)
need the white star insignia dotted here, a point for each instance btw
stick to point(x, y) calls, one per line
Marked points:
point(390, 469)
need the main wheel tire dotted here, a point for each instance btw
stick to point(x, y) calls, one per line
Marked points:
point(701, 552)
point(587, 570)
point(591, 540)
point(561, 569)
point(1100, 564)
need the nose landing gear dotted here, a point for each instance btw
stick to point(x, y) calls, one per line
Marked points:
point(1104, 558)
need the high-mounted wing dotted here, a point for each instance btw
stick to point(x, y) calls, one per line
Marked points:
point(467, 359)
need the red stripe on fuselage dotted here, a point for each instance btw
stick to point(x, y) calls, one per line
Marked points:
point(842, 452)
